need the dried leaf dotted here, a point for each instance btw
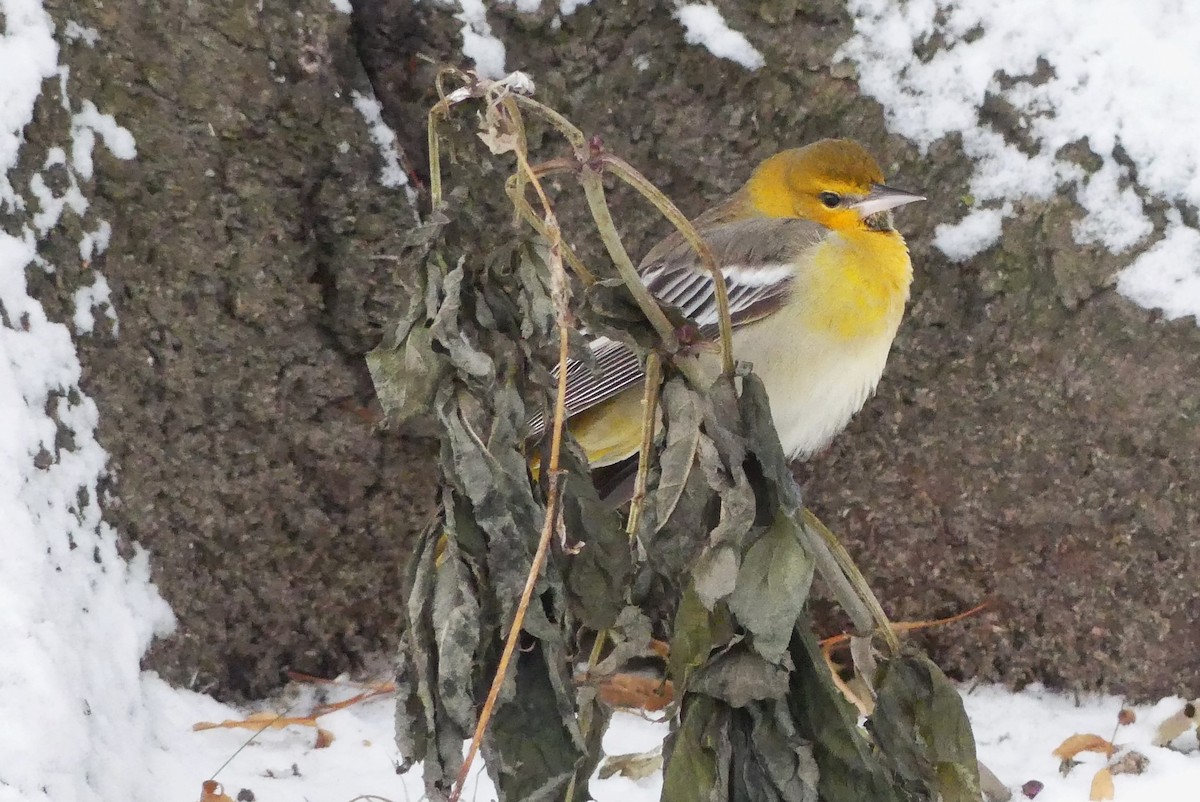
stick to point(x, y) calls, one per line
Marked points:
point(920, 724)
point(1102, 786)
point(678, 456)
point(715, 576)
point(630, 638)
point(849, 768)
point(1083, 742)
point(698, 750)
point(739, 678)
point(448, 330)
point(697, 632)
point(211, 791)
point(636, 692)
point(405, 376)
point(1131, 762)
point(993, 789)
point(635, 766)
point(324, 739)
point(600, 573)
point(772, 588)
point(534, 746)
point(497, 141)
point(772, 761)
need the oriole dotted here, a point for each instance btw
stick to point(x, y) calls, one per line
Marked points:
point(817, 280)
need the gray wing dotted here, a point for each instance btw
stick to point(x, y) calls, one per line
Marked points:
point(758, 271)
point(757, 260)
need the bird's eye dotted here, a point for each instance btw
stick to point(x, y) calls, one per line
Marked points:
point(830, 199)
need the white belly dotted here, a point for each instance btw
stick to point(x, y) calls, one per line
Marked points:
point(816, 383)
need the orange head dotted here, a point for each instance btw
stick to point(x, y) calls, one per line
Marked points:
point(834, 182)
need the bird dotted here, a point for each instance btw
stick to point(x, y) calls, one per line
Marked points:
point(817, 279)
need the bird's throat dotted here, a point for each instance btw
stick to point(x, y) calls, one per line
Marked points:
point(859, 284)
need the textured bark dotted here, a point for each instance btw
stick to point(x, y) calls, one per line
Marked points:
point(1034, 441)
point(235, 402)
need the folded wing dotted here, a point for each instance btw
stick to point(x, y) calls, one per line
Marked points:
point(758, 263)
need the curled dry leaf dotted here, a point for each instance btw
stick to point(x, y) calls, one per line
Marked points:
point(1083, 742)
point(636, 692)
point(633, 766)
point(324, 738)
point(211, 791)
point(1126, 717)
point(1102, 786)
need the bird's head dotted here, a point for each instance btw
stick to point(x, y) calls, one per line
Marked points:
point(834, 182)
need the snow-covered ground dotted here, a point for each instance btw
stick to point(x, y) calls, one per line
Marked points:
point(1016, 735)
point(82, 724)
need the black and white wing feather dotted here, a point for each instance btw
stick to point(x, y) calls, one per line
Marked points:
point(758, 263)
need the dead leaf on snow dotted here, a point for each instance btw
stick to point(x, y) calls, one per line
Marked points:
point(211, 791)
point(1083, 742)
point(1102, 786)
point(1130, 763)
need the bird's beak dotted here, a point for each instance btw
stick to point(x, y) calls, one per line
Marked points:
point(881, 198)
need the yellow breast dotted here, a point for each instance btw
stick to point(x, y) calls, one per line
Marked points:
point(822, 354)
point(854, 285)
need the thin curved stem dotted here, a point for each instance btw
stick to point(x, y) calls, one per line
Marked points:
point(627, 173)
point(848, 583)
point(649, 424)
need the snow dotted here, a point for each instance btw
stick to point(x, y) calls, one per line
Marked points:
point(84, 127)
point(1167, 276)
point(1016, 733)
point(74, 32)
point(87, 299)
point(960, 240)
point(565, 7)
point(391, 174)
point(703, 25)
point(28, 55)
point(479, 44)
point(1115, 75)
point(95, 242)
point(284, 765)
point(568, 7)
point(75, 617)
point(84, 724)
